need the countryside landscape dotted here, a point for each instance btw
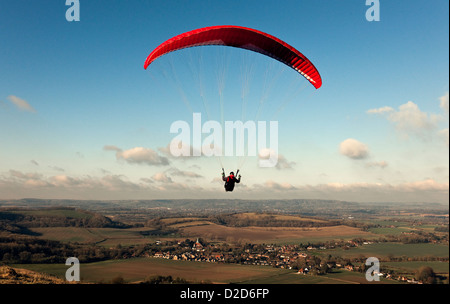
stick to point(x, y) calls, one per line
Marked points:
point(224, 151)
point(223, 241)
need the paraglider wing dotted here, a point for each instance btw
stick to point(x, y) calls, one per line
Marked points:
point(244, 38)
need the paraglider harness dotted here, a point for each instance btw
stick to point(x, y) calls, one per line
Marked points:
point(230, 180)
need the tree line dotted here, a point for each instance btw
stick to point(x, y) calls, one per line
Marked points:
point(33, 250)
point(19, 221)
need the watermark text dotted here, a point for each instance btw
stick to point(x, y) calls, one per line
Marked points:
point(239, 139)
point(373, 12)
point(73, 272)
point(73, 12)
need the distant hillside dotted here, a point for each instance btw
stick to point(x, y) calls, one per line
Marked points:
point(19, 220)
point(305, 207)
point(271, 220)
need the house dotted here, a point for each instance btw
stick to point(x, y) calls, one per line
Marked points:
point(303, 270)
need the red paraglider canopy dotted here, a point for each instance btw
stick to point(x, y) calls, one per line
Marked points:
point(245, 38)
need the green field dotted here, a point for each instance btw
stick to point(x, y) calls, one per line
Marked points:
point(336, 277)
point(390, 230)
point(138, 269)
point(102, 236)
point(411, 266)
point(384, 250)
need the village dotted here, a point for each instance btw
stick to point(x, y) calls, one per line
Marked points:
point(302, 258)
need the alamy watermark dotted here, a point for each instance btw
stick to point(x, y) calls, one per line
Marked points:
point(232, 135)
point(373, 12)
point(73, 272)
point(373, 272)
point(73, 12)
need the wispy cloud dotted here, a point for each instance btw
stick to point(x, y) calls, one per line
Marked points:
point(444, 102)
point(381, 110)
point(16, 183)
point(282, 162)
point(162, 177)
point(444, 106)
point(139, 155)
point(380, 164)
point(56, 168)
point(444, 135)
point(178, 172)
point(21, 104)
point(271, 185)
point(423, 190)
point(409, 120)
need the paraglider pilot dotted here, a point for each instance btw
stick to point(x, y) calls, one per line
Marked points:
point(230, 180)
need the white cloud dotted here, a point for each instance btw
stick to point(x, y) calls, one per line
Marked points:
point(425, 185)
point(444, 134)
point(111, 148)
point(17, 184)
point(139, 155)
point(184, 188)
point(444, 106)
point(353, 149)
point(27, 179)
point(390, 191)
point(147, 180)
point(20, 175)
point(65, 181)
point(410, 120)
point(143, 155)
point(21, 103)
point(108, 182)
point(56, 168)
point(428, 190)
point(178, 172)
point(36, 183)
point(278, 186)
point(117, 183)
point(162, 177)
point(282, 162)
point(444, 103)
point(381, 110)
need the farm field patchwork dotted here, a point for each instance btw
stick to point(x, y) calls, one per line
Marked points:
point(246, 247)
point(275, 234)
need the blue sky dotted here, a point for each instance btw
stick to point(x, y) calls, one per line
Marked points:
point(81, 118)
